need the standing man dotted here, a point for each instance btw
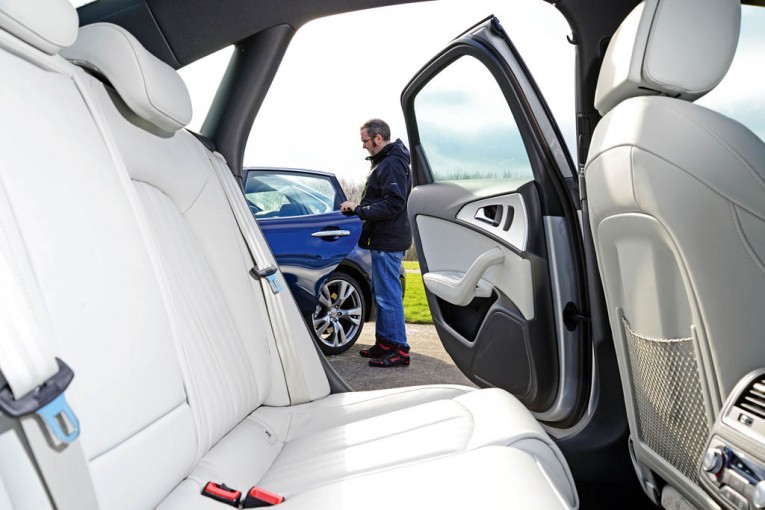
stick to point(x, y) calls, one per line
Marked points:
point(387, 234)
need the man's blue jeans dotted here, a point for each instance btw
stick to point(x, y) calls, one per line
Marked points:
point(386, 286)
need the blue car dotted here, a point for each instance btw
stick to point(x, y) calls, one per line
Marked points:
point(316, 248)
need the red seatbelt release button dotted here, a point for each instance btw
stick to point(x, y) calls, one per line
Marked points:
point(220, 492)
point(257, 497)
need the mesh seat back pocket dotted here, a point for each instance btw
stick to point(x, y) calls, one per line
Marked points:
point(670, 406)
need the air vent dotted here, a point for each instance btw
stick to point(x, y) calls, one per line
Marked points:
point(753, 398)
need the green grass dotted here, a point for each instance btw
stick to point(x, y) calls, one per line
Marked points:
point(416, 309)
point(411, 264)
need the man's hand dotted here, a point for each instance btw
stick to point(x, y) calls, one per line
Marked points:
point(347, 208)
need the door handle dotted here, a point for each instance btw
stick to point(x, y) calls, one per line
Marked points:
point(331, 233)
point(491, 214)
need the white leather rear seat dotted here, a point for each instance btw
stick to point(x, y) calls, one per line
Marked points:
point(165, 329)
point(87, 250)
point(320, 450)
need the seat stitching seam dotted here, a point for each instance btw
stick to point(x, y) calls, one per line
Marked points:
point(725, 145)
point(739, 231)
point(693, 176)
point(719, 140)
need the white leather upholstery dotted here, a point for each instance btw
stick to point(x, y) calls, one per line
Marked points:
point(91, 263)
point(48, 25)
point(679, 48)
point(401, 426)
point(343, 444)
point(676, 198)
point(488, 478)
point(177, 382)
point(705, 190)
point(151, 88)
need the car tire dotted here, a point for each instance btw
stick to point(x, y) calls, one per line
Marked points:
point(339, 316)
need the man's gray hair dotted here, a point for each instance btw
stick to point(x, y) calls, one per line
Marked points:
point(377, 127)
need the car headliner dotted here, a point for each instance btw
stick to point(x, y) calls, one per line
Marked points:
point(180, 32)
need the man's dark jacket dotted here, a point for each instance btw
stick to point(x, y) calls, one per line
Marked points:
point(383, 204)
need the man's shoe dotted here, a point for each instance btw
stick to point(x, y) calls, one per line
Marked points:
point(395, 357)
point(378, 350)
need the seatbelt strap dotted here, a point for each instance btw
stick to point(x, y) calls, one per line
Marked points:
point(34, 379)
point(270, 278)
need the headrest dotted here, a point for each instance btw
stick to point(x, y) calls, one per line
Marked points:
point(678, 48)
point(149, 87)
point(48, 25)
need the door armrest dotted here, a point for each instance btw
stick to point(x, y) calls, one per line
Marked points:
point(460, 288)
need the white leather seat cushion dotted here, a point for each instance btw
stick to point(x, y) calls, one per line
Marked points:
point(296, 449)
point(487, 478)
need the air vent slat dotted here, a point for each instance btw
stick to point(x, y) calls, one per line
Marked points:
point(753, 399)
point(759, 411)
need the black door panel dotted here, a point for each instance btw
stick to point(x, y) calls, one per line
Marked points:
point(490, 174)
point(508, 339)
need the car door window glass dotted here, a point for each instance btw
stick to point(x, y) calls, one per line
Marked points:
point(273, 194)
point(466, 128)
point(740, 94)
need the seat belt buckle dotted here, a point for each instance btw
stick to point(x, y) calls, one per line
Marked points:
point(224, 494)
point(276, 287)
point(48, 402)
point(269, 273)
point(258, 498)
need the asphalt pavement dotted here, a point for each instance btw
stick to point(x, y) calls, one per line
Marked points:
point(429, 362)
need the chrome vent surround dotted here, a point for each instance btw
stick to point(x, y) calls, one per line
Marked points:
point(745, 408)
point(753, 398)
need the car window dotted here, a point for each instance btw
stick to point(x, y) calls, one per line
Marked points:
point(740, 95)
point(275, 194)
point(466, 128)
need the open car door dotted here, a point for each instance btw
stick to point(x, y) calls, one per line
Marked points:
point(495, 221)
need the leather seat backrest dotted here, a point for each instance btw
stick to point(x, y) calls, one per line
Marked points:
point(60, 182)
point(676, 197)
point(231, 362)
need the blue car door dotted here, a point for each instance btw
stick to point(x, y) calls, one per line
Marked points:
point(299, 213)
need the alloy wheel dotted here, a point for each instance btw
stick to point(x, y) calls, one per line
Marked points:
point(339, 315)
